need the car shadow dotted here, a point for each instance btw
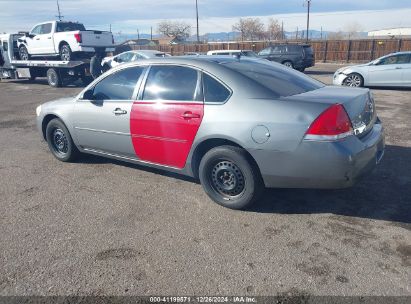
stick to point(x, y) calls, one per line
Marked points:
point(317, 72)
point(383, 195)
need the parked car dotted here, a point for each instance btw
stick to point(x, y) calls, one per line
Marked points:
point(238, 125)
point(393, 70)
point(247, 53)
point(112, 61)
point(297, 56)
point(63, 39)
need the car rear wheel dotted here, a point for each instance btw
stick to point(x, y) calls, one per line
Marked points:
point(60, 142)
point(65, 53)
point(229, 178)
point(54, 78)
point(24, 53)
point(354, 80)
point(288, 64)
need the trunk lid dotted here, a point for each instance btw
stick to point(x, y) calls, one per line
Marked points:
point(358, 103)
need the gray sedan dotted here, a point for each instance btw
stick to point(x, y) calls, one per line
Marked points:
point(237, 124)
point(393, 70)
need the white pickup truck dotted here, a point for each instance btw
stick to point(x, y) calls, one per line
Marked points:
point(64, 39)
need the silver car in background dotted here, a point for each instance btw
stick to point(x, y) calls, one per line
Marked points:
point(130, 56)
point(393, 70)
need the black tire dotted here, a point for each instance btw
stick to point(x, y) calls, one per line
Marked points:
point(60, 142)
point(301, 70)
point(288, 64)
point(65, 53)
point(54, 78)
point(354, 80)
point(229, 178)
point(24, 53)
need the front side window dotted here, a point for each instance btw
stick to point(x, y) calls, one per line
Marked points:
point(118, 86)
point(46, 28)
point(171, 83)
point(37, 30)
point(389, 60)
point(214, 91)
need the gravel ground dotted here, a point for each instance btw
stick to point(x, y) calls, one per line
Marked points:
point(102, 227)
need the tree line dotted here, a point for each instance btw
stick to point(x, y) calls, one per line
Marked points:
point(248, 29)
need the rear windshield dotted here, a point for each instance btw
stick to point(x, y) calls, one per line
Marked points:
point(69, 27)
point(281, 81)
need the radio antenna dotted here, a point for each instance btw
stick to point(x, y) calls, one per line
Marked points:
point(58, 10)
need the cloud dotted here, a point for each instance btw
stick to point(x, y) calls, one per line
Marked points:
point(215, 15)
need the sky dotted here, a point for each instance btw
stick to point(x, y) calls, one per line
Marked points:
point(126, 16)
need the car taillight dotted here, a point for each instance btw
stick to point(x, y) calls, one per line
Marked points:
point(332, 124)
point(78, 37)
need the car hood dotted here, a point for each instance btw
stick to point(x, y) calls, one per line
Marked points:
point(58, 102)
point(351, 68)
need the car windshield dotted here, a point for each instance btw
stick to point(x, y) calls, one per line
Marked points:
point(279, 80)
point(69, 27)
point(249, 53)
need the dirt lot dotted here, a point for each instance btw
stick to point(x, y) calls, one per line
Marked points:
point(102, 227)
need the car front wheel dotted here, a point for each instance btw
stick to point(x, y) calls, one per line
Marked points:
point(354, 80)
point(24, 53)
point(288, 64)
point(229, 178)
point(60, 142)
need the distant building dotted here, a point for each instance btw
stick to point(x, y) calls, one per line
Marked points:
point(401, 32)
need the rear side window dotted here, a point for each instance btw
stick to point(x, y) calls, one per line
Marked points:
point(171, 83)
point(279, 80)
point(118, 86)
point(214, 91)
point(308, 50)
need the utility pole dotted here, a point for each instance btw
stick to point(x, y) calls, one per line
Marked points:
point(321, 33)
point(198, 32)
point(151, 33)
point(138, 34)
point(110, 27)
point(308, 18)
point(58, 10)
point(296, 34)
point(282, 30)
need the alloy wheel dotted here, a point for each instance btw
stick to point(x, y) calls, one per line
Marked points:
point(353, 81)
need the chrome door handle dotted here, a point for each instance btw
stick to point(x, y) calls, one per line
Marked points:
point(190, 115)
point(119, 111)
point(398, 68)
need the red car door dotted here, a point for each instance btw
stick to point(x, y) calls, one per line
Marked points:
point(165, 119)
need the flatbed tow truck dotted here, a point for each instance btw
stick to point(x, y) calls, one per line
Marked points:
point(58, 73)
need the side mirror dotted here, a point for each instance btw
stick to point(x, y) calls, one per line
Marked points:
point(88, 95)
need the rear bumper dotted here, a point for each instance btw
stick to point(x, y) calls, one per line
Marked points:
point(322, 165)
point(92, 49)
point(305, 64)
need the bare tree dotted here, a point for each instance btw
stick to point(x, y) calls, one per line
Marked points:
point(180, 30)
point(336, 35)
point(274, 31)
point(352, 30)
point(250, 28)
